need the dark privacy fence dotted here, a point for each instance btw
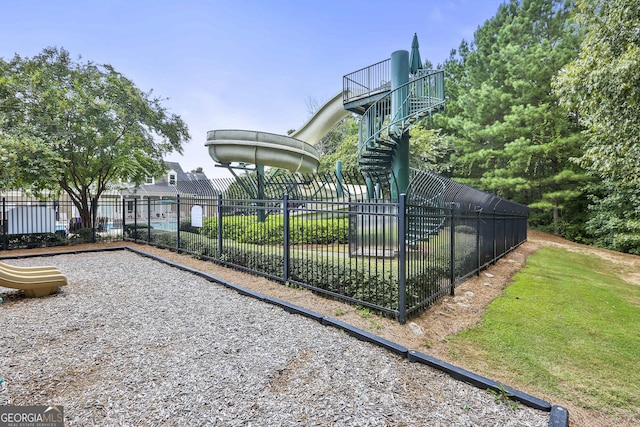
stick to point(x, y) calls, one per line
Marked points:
point(340, 236)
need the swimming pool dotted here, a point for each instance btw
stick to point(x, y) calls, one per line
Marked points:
point(165, 225)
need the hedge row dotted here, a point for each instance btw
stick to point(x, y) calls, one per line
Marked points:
point(33, 240)
point(244, 229)
point(338, 278)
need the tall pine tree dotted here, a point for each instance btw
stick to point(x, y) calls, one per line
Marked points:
point(511, 137)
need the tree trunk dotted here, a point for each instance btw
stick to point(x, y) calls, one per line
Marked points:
point(85, 210)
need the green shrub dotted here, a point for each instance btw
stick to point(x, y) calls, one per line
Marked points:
point(626, 242)
point(430, 283)
point(233, 227)
point(268, 264)
point(346, 280)
point(465, 229)
point(197, 244)
point(192, 243)
point(246, 229)
point(210, 227)
point(136, 231)
point(337, 278)
point(185, 225)
point(269, 232)
point(319, 231)
point(84, 234)
point(435, 281)
point(34, 240)
point(163, 238)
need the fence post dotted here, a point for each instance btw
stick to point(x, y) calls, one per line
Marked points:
point(504, 235)
point(285, 243)
point(495, 225)
point(124, 215)
point(135, 219)
point(452, 250)
point(402, 258)
point(148, 219)
point(4, 224)
point(94, 217)
point(219, 226)
point(178, 223)
point(478, 222)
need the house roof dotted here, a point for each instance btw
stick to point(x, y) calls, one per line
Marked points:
point(187, 183)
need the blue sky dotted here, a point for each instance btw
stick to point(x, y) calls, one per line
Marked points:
point(239, 64)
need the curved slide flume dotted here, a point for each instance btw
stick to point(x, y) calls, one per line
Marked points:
point(294, 152)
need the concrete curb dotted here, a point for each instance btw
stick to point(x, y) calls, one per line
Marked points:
point(559, 416)
point(480, 381)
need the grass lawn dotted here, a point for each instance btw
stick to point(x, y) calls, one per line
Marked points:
point(569, 326)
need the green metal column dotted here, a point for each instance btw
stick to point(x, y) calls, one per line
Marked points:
point(400, 167)
point(400, 163)
point(339, 178)
point(371, 189)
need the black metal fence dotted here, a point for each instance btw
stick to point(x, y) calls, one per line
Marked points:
point(339, 236)
point(30, 222)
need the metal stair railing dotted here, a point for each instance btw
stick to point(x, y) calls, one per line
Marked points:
point(367, 81)
point(426, 213)
point(379, 131)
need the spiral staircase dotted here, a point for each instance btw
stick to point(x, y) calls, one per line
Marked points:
point(387, 115)
point(381, 128)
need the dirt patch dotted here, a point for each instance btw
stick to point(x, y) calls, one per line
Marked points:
point(634, 279)
point(627, 265)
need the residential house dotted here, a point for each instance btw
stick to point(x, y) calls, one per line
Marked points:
point(156, 200)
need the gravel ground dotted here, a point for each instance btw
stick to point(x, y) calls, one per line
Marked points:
point(133, 342)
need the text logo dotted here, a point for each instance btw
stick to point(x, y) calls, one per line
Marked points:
point(31, 416)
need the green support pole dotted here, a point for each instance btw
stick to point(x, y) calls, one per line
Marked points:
point(400, 167)
point(371, 191)
point(339, 178)
point(400, 163)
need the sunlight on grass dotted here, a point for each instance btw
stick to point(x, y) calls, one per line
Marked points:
point(568, 325)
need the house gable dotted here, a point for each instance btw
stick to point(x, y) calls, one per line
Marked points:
point(176, 181)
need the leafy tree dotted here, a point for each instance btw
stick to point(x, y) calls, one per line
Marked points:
point(601, 87)
point(613, 220)
point(78, 127)
point(341, 143)
point(511, 137)
point(429, 149)
point(18, 156)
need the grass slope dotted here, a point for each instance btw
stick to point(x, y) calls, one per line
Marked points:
point(568, 325)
